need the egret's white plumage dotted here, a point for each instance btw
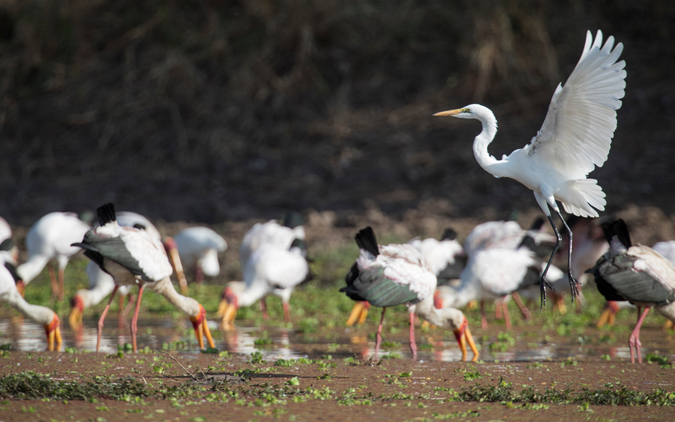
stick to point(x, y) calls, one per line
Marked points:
point(40, 314)
point(270, 269)
point(575, 137)
point(51, 238)
point(199, 247)
point(134, 257)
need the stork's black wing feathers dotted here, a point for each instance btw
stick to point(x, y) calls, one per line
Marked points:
point(106, 214)
point(366, 240)
point(112, 248)
point(452, 271)
point(617, 280)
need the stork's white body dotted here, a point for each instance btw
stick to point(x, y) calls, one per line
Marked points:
point(268, 233)
point(438, 253)
point(50, 238)
point(200, 246)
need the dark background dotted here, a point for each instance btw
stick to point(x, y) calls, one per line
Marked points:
point(225, 111)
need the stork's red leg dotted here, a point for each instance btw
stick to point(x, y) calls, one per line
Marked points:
point(100, 320)
point(507, 317)
point(263, 309)
point(62, 284)
point(134, 320)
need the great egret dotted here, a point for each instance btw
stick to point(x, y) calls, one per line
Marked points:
point(637, 274)
point(134, 258)
point(575, 137)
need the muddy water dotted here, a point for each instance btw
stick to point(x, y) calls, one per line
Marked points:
point(283, 343)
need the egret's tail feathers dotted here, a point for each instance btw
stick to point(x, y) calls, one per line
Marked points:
point(106, 214)
point(366, 240)
point(585, 197)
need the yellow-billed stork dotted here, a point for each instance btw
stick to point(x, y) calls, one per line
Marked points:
point(199, 247)
point(134, 258)
point(637, 274)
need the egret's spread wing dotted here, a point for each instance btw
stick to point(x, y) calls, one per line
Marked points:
point(581, 119)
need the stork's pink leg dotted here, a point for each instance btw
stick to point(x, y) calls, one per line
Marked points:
point(483, 318)
point(55, 283)
point(134, 320)
point(287, 311)
point(634, 340)
point(413, 345)
point(263, 309)
point(62, 284)
point(507, 316)
point(100, 320)
point(498, 308)
point(199, 274)
point(378, 338)
point(523, 309)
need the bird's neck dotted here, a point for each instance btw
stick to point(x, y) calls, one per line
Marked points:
point(480, 146)
point(102, 289)
point(185, 304)
point(445, 317)
point(31, 268)
point(251, 294)
point(37, 313)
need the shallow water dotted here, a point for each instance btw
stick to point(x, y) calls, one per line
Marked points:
point(340, 342)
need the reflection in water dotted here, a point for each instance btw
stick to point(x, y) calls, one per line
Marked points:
point(285, 343)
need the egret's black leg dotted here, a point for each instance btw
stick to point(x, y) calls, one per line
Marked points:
point(574, 284)
point(543, 282)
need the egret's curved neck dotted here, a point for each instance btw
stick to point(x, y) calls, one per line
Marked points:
point(185, 304)
point(481, 142)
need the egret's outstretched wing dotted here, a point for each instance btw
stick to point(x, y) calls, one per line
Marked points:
point(581, 119)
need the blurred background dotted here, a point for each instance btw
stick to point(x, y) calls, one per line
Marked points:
point(225, 111)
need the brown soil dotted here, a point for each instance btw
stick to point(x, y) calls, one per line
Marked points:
point(368, 380)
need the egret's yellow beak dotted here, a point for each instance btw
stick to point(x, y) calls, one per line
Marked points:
point(448, 112)
point(463, 336)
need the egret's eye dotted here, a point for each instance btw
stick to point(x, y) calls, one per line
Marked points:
point(466, 110)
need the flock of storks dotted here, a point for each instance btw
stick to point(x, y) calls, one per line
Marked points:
point(498, 260)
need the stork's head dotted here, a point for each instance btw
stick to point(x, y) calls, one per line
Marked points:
point(463, 336)
point(76, 311)
point(228, 307)
point(53, 331)
point(201, 326)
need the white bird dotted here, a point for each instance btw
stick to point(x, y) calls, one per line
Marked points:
point(393, 275)
point(8, 248)
point(269, 270)
point(50, 238)
point(199, 247)
point(101, 284)
point(575, 137)
point(134, 258)
point(445, 257)
point(280, 235)
point(637, 274)
point(492, 274)
point(45, 316)
point(665, 249)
